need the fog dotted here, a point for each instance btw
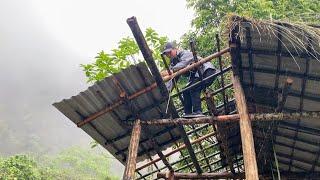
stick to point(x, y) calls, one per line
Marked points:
point(43, 43)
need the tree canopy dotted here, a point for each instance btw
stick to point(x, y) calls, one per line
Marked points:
point(127, 53)
point(210, 16)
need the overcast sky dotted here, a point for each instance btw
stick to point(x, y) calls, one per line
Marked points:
point(43, 42)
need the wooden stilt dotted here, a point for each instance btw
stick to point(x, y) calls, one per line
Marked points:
point(249, 155)
point(129, 171)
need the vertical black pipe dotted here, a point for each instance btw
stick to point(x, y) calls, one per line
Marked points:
point(224, 96)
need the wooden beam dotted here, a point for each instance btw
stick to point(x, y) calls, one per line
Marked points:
point(284, 73)
point(147, 54)
point(172, 140)
point(176, 150)
point(214, 163)
point(205, 79)
point(155, 145)
point(153, 142)
point(233, 118)
point(220, 175)
point(116, 104)
point(294, 93)
point(299, 175)
point(283, 52)
point(196, 64)
point(178, 161)
point(249, 155)
point(129, 172)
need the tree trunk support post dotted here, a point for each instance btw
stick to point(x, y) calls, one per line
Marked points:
point(249, 155)
point(129, 172)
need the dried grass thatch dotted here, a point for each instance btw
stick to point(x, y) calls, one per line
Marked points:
point(301, 38)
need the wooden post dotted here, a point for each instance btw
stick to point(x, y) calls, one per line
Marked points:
point(249, 155)
point(129, 171)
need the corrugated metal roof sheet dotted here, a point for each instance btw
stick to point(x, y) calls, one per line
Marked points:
point(291, 139)
point(110, 129)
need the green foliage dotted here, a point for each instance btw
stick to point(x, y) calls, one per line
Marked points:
point(72, 163)
point(125, 54)
point(19, 167)
point(210, 15)
point(77, 163)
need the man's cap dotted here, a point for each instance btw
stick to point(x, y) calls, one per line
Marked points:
point(168, 47)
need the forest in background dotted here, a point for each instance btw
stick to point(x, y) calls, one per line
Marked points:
point(86, 163)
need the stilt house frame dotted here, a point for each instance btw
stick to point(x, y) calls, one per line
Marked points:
point(269, 129)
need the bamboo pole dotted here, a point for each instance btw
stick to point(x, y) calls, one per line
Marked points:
point(129, 172)
point(196, 64)
point(176, 150)
point(233, 118)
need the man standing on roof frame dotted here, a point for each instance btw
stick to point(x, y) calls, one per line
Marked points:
point(179, 59)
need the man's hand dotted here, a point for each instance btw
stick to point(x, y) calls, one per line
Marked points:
point(165, 73)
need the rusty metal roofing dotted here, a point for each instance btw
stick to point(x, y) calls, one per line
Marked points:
point(267, 60)
point(110, 129)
